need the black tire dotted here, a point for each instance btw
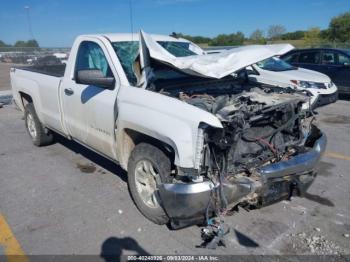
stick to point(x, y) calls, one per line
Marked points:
point(43, 136)
point(162, 165)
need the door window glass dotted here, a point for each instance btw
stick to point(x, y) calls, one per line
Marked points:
point(292, 58)
point(309, 57)
point(91, 56)
point(329, 58)
point(343, 60)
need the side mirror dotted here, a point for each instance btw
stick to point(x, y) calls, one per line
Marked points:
point(242, 76)
point(94, 77)
point(251, 70)
point(347, 65)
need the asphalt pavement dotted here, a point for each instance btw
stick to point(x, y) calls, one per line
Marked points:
point(65, 199)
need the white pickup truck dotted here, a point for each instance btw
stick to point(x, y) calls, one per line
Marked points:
point(195, 136)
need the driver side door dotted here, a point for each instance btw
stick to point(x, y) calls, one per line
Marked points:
point(89, 110)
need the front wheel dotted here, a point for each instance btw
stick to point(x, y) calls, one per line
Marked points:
point(148, 167)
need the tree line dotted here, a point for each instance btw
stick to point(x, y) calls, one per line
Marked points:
point(20, 43)
point(337, 31)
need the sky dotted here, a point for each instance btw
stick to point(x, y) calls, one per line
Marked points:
point(55, 23)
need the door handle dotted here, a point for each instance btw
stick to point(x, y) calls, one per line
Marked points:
point(68, 91)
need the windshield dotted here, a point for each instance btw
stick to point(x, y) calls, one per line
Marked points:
point(127, 51)
point(275, 64)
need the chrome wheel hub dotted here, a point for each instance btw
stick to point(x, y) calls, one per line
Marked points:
point(146, 184)
point(31, 126)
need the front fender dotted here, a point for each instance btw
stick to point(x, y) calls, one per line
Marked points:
point(164, 118)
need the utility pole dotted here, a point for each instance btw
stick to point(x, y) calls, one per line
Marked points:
point(27, 8)
point(131, 20)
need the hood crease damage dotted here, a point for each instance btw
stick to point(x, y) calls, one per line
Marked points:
point(210, 65)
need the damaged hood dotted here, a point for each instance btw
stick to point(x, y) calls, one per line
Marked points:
point(208, 65)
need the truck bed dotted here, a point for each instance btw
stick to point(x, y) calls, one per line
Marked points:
point(42, 84)
point(52, 70)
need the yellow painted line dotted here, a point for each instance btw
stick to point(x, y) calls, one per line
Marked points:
point(336, 155)
point(9, 243)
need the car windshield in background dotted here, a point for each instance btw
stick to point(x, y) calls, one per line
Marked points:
point(127, 52)
point(178, 49)
point(275, 64)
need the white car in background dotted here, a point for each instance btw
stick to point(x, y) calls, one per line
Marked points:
point(276, 72)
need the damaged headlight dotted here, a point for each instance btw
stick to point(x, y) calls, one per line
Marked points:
point(307, 84)
point(199, 147)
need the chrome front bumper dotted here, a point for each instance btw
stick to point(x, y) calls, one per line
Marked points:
point(298, 164)
point(186, 204)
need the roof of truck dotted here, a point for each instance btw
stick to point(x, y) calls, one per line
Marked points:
point(118, 37)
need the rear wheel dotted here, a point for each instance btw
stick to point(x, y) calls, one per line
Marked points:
point(40, 136)
point(147, 168)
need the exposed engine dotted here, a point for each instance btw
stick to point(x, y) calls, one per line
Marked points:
point(262, 125)
point(259, 127)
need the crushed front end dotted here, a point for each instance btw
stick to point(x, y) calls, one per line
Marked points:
point(266, 152)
